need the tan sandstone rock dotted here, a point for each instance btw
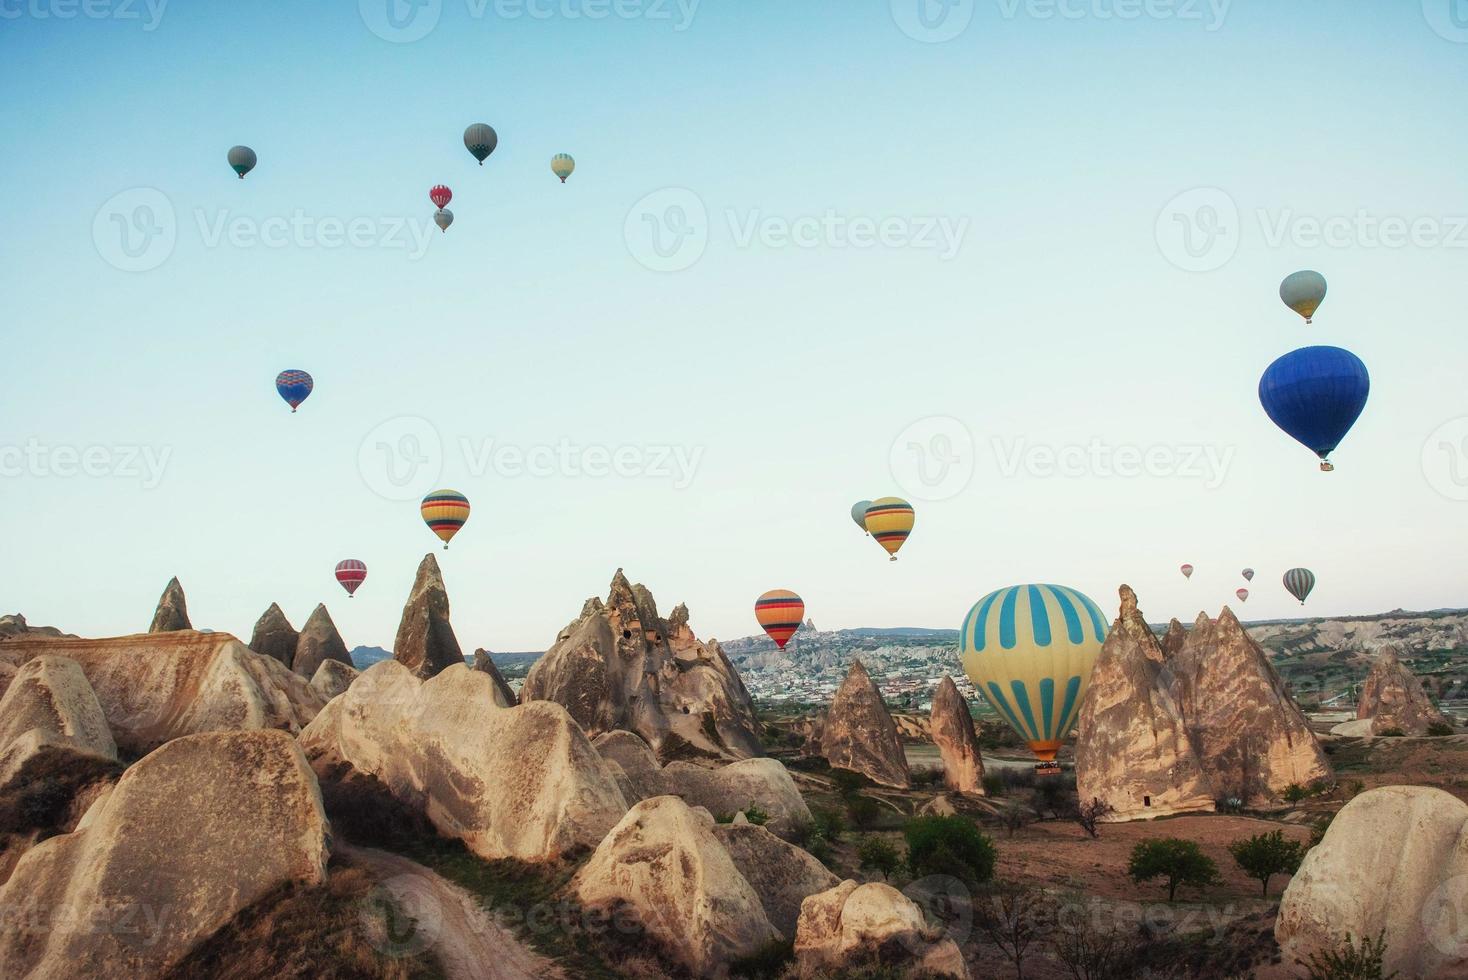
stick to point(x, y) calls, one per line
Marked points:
point(852, 924)
point(425, 643)
point(1392, 697)
point(730, 789)
point(173, 611)
point(332, 678)
point(664, 863)
point(859, 734)
point(1133, 750)
point(50, 706)
point(318, 643)
point(154, 687)
point(521, 782)
point(189, 836)
point(952, 728)
point(504, 694)
point(15, 625)
point(1395, 862)
point(636, 760)
point(782, 875)
point(274, 636)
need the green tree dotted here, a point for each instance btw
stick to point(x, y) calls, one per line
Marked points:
point(1364, 962)
point(879, 854)
point(1265, 855)
point(1181, 862)
point(949, 846)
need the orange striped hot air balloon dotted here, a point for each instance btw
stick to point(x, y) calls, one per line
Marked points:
point(445, 511)
point(890, 520)
point(780, 612)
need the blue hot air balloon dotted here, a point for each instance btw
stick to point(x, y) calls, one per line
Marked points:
point(294, 386)
point(1315, 394)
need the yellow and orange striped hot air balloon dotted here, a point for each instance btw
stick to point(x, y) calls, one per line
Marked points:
point(780, 612)
point(890, 520)
point(445, 511)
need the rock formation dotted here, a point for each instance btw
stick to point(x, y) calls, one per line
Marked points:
point(634, 756)
point(332, 678)
point(1134, 751)
point(15, 625)
point(50, 707)
point(853, 925)
point(318, 643)
point(274, 636)
point(620, 665)
point(730, 789)
point(953, 732)
point(781, 874)
point(425, 642)
point(664, 865)
point(1392, 862)
point(1173, 639)
point(172, 612)
point(859, 733)
point(1392, 697)
point(521, 782)
point(154, 687)
point(229, 816)
point(1251, 739)
point(483, 661)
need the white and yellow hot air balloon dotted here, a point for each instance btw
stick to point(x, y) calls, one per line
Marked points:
point(563, 166)
point(1303, 292)
point(1029, 650)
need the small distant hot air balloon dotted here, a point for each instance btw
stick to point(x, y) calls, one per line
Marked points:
point(1248, 575)
point(242, 160)
point(351, 573)
point(1243, 594)
point(1299, 582)
point(294, 386)
point(1303, 292)
point(440, 196)
point(1187, 571)
point(562, 165)
point(1315, 394)
point(443, 217)
point(890, 520)
point(1029, 650)
point(859, 513)
point(480, 139)
point(780, 612)
point(445, 511)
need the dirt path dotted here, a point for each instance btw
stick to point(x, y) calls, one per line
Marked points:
point(451, 923)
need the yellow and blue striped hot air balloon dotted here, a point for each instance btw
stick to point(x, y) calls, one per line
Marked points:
point(445, 511)
point(1029, 649)
point(889, 520)
point(562, 165)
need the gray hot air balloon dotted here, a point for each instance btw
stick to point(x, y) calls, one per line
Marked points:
point(1303, 292)
point(242, 159)
point(481, 139)
point(443, 217)
point(859, 513)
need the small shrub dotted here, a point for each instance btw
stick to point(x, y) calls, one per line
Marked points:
point(755, 815)
point(949, 846)
point(1014, 917)
point(879, 854)
point(1353, 962)
point(1089, 952)
point(927, 776)
point(1180, 862)
point(1393, 732)
point(1355, 787)
point(828, 824)
point(1088, 815)
point(1294, 793)
point(1014, 817)
point(1319, 827)
point(865, 812)
point(766, 963)
point(1265, 855)
point(993, 784)
point(849, 783)
point(1439, 729)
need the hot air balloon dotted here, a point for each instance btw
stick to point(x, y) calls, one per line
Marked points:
point(859, 513)
point(294, 387)
point(1243, 594)
point(1187, 571)
point(443, 217)
point(1029, 650)
point(890, 520)
point(440, 196)
point(1248, 575)
point(1315, 394)
point(242, 159)
point(1303, 292)
point(445, 511)
point(481, 139)
point(351, 573)
point(780, 612)
point(1298, 582)
point(562, 165)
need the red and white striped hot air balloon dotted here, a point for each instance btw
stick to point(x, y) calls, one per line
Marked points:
point(440, 196)
point(351, 573)
point(1243, 594)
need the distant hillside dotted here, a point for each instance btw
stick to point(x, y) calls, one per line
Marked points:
point(511, 665)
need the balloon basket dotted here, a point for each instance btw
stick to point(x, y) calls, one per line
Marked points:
point(1326, 466)
point(1051, 768)
point(893, 558)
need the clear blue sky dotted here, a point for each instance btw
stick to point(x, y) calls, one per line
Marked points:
point(1056, 143)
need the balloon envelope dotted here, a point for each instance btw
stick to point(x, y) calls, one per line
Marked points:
point(242, 160)
point(1029, 649)
point(1303, 292)
point(445, 511)
point(1299, 582)
point(440, 195)
point(294, 386)
point(1248, 575)
point(351, 573)
point(890, 520)
point(480, 139)
point(443, 217)
point(1315, 394)
point(1187, 571)
point(1243, 594)
point(859, 513)
point(562, 165)
point(780, 612)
